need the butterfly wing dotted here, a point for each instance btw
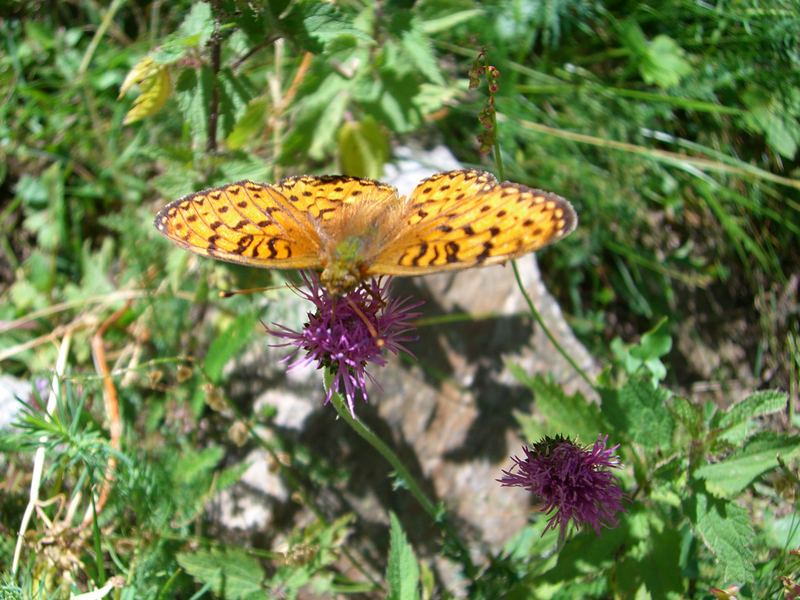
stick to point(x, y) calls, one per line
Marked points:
point(243, 222)
point(324, 196)
point(461, 219)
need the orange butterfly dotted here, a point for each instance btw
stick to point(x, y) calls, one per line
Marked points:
point(352, 229)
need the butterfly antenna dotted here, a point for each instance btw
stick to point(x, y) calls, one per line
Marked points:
point(379, 341)
point(255, 290)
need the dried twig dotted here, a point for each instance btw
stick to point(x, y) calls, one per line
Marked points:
point(294, 86)
point(111, 403)
point(260, 46)
point(111, 298)
point(60, 331)
point(38, 458)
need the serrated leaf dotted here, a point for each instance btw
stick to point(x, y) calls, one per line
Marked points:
point(402, 572)
point(760, 403)
point(639, 411)
point(363, 148)
point(231, 573)
point(228, 344)
point(687, 413)
point(194, 99)
point(419, 51)
point(199, 23)
point(726, 531)
point(397, 92)
point(228, 477)
point(194, 31)
point(193, 465)
point(573, 415)
point(155, 87)
point(233, 98)
point(250, 124)
point(315, 24)
point(731, 475)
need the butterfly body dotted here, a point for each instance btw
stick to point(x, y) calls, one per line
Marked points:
point(351, 228)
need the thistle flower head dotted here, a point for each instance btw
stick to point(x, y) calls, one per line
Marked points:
point(572, 482)
point(347, 333)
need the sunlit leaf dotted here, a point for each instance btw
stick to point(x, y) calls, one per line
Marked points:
point(155, 87)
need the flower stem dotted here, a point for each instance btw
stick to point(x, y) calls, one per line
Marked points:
point(540, 320)
point(453, 542)
point(498, 160)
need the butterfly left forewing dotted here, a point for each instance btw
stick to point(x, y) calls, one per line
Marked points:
point(243, 222)
point(494, 224)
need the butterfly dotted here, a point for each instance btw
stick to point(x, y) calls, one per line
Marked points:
point(351, 228)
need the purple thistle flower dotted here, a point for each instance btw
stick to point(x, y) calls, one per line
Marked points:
point(572, 480)
point(348, 332)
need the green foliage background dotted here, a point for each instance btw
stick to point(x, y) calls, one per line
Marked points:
point(673, 128)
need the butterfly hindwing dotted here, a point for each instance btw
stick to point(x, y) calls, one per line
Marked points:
point(466, 218)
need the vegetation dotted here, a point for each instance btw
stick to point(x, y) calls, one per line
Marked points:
point(671, 126)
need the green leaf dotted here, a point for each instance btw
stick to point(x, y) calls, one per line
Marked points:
point(730, 476)
point(663, 63)
point(327, 126)
point(726, 531)
point(647, 352)
point(688, 413)
point(573, 415)
point(782, 532)
point(194, 31)
point(231, 573)
point(655, 343)
point(639, 412)
point(760, 403)
point(661, 60)
point(402, 572)
point(193, 93)
point(776, 117)
point(313, 112)
point(315, 24)
point(250, 124)
point(197, 465)
point(324, 541)
point(155, 87)
point(198, 24)
point(449, 20)
point(33, 191)
point(228, 344)
point(418, 49)
point(227, 477)
point(233, 99)
point(658, 570)
point(363, 148)
point(588, 553)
